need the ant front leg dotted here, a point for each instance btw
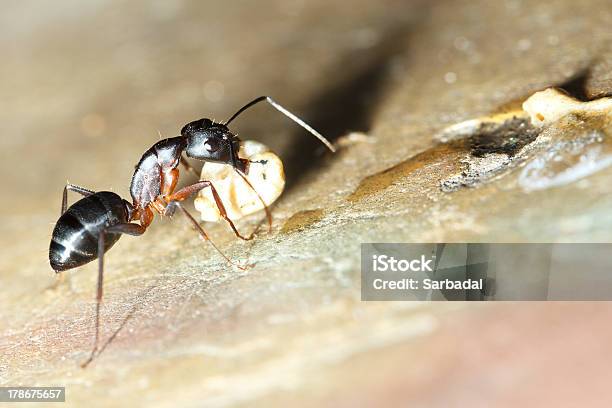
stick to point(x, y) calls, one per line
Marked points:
point(77, 189)
point(127, 228)
point(173, 205)
point(188, 191)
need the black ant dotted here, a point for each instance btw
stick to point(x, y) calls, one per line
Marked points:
point(93, 224)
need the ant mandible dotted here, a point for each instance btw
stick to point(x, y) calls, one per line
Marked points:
point(93, 224)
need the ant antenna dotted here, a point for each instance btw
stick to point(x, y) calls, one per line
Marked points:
point(285, 112)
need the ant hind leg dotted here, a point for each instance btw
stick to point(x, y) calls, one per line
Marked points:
point(127, 228)
point(98, 297)
point(77, 189)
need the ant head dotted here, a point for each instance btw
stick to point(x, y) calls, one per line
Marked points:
point(212, 142)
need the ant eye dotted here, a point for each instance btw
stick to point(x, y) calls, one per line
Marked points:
point(212, 145)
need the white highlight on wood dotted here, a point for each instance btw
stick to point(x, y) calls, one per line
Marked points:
point(550, 105)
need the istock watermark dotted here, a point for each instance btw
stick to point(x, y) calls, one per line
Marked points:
point(383, 263)
point(481, 271)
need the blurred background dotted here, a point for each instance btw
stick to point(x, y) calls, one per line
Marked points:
point(87, 87)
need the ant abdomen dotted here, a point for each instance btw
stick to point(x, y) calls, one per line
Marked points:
point(75, 237)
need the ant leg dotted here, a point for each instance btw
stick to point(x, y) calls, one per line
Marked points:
point(287, 113)
point(188, 166)
point(98, 296)
point(200, 230)
point(130, 229)
point(77, 189)
point(188, 191)
point(127, 228)
point(266, 208)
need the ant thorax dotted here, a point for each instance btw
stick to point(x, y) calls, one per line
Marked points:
point(162, 157)
point(265, 173)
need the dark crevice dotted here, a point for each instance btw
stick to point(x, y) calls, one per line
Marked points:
point(506, 138)
point(512, 135)
point(348, 106)
point(576, 85)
